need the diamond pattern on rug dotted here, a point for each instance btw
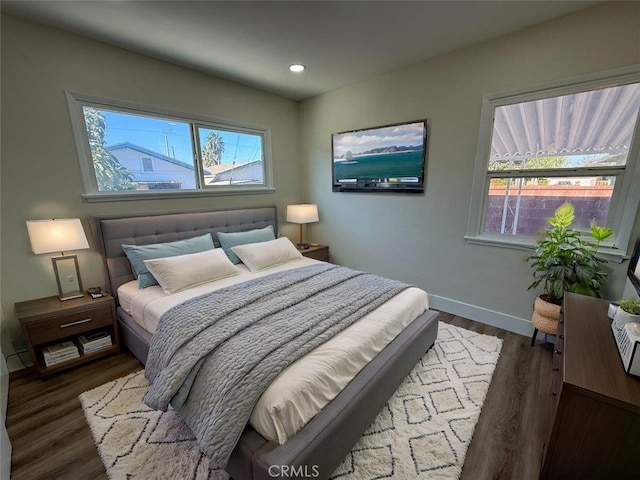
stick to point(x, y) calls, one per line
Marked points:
point(446, 400)
point(423, 432)
point(429, 452)
point(433, 375)
point(447, 386)
point(373, 462)
point(135, 441)
point(416, 410)
point(462, 428)
point(468, 369)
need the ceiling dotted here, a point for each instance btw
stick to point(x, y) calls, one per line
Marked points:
point(254, 42)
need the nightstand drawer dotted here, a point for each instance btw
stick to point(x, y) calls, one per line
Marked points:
point(54, 328)
point(317, 252)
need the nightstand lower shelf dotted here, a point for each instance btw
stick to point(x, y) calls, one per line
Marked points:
point(83, 358)
point(48, 321)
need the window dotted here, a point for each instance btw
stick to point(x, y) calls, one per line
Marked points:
point(147, 164)
point(539, 149)
point(241, 152)
point(133, 151)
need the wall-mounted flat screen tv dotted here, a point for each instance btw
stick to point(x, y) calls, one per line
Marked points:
point(381, 159)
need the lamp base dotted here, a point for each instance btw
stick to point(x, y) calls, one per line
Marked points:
point(67, 277)
point(70, 295)
point(303, 246)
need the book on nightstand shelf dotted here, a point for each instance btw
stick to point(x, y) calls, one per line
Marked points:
point(60, 352)
point(94, 341)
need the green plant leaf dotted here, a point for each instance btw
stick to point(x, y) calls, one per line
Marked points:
point(565, 261)
point(563, 216)
point(631, 306)
point(600, 233)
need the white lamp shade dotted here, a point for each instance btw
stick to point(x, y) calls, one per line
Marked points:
point(306, 213)
point(56, 235)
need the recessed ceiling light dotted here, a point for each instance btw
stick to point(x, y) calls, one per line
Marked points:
point(297, 68)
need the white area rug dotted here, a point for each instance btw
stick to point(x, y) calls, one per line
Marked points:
point(423, 432)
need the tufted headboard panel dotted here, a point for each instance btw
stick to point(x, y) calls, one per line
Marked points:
point(110, 232)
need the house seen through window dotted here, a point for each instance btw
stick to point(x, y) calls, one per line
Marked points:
point(573, 147)
point(128, 151)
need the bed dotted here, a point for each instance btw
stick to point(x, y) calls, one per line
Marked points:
point(322, 443)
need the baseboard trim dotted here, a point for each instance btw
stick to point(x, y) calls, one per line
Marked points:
point(482, 315)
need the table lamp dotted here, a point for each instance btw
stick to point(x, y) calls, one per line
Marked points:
point(60, 235)
point(302, 214)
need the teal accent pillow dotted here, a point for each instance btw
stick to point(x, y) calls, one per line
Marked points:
point(137, 254)
point(233, 239)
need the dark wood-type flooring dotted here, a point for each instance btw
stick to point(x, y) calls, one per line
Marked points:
point(51, 438)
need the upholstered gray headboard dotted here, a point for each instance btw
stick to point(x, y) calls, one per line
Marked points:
point(110, 232)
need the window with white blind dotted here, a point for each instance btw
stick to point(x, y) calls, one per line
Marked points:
point(576, 143)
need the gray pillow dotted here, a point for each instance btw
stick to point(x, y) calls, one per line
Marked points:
point(233, 239)
point(137, 254)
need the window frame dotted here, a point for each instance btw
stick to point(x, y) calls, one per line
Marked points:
point(76, 101)
point(624, 201)
point(142, 165)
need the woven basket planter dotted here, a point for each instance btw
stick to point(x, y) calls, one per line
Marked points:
point(545, 316)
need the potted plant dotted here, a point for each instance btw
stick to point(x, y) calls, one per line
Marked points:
point(627, 311)
point(564, 261)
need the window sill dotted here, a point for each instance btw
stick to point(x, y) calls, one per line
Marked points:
point(149, 195)
point(610, 254)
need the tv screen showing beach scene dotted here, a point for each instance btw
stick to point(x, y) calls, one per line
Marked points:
point(388, 159)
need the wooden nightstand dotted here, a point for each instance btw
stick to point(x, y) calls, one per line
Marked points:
point(48, 321)
point(319, 252)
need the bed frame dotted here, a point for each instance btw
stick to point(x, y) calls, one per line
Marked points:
point(324, 442)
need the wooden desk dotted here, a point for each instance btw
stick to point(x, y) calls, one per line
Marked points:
point(595, 405)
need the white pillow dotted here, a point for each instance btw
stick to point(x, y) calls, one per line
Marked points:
point(183, 271)
point(258, 256)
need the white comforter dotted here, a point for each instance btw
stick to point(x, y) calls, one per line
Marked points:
point(303, 389)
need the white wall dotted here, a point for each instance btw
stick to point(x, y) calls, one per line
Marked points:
point(5, 443)
point(41, 175)
point(419, 238)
